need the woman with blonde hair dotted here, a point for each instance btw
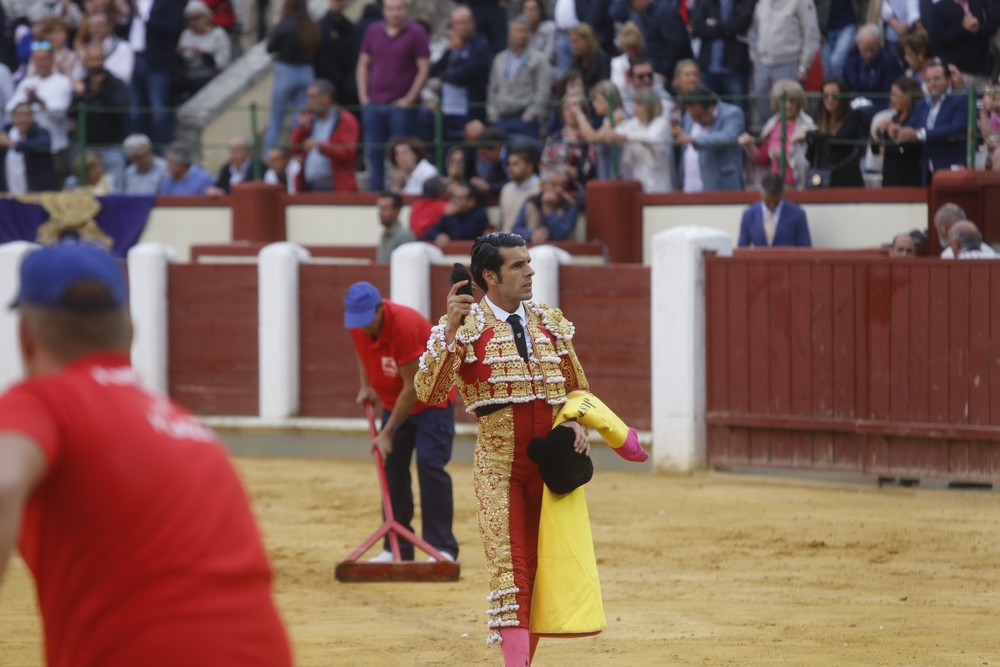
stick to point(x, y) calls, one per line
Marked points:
point(766, 149)
point(647, 151)
point(687, 77)
point(633, 47)
point(588, 57)
point(606, 102)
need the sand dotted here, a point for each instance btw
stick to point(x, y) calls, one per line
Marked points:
point(710, 569)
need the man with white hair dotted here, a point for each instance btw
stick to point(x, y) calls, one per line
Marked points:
point(967, 242)
point(237, 170)
point(146, 170)
point(870, 69)
point(946, 217)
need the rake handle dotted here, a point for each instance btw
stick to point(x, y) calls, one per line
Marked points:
point(383, 483)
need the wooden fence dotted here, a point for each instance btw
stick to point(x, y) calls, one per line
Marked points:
point(855, 363)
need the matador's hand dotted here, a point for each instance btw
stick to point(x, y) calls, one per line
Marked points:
point(581, 445)
point(459, 305)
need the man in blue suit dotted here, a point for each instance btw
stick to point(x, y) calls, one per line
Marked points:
point(938, 121)
point(774, 221)
point(711, 157)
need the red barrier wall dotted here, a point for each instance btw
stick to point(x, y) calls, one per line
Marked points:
point(329, 368)
point(212, 326)
point(857, 363)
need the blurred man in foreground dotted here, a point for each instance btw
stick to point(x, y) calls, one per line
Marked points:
point(126, 510)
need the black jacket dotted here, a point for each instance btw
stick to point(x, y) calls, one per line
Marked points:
point(843, 159)
point(163, 31)
point(970, 52)
point(222, 180)
point(106, 111)
point(470, 71)
point(595, 14)
point(667, 40)
point(37, 149)
point(338, 57)
point(732, 32)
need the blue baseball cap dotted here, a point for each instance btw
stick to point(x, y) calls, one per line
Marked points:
point(47, 273)
point(360, 303)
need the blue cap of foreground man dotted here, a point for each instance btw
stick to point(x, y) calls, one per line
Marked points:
point(360, 303)
point(47, 273)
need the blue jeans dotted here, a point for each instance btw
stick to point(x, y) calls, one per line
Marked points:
point(731, 87)
point(382, 124)
point(151, 90)
point(517, 129)
point(833, 52)
point(430, 433)
point(290, 83)
point(564, 53)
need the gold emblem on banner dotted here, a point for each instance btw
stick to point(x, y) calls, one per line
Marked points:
point(70, 213)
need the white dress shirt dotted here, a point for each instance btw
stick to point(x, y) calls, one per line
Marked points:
point(984, 252)
point(119, 59)
point(502, 315)
point(137, 31)
point(565, 14)
point(15, 170)
point(56, 91)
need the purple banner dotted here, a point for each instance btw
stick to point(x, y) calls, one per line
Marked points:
point(122, 217)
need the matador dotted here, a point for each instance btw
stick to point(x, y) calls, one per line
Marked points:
point(513, 361)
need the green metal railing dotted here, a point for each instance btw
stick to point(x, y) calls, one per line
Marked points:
point(440, 145)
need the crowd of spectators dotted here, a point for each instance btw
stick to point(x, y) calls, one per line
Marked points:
point(569, 90)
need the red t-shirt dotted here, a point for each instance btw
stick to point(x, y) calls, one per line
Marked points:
point(139, 535)
point(403, 339)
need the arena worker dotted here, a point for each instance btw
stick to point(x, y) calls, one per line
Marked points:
point(126, 510)
point(388, 340)
point(513, 361)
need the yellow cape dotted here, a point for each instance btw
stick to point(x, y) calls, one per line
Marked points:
point(567, 596)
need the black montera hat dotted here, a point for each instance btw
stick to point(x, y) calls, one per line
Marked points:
point(562, 469)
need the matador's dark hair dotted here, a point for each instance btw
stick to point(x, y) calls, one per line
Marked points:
point(486, 254)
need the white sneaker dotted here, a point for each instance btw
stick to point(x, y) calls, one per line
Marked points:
point(384, 557)
point(447, 557)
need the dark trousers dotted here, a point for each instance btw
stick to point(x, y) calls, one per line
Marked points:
point(430, 433)
point(491, 23)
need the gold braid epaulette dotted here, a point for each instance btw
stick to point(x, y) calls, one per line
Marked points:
point(553, 320)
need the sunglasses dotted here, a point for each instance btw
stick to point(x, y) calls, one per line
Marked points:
point(41, 46)
point(647, 75)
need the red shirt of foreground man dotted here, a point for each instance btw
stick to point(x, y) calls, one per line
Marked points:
point(137, 529)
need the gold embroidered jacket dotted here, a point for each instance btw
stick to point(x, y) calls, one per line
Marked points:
point(501, 375)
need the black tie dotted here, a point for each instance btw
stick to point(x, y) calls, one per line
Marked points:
point(522, 345)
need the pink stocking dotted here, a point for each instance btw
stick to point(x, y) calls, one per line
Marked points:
point(515, 647)
point(532, 645)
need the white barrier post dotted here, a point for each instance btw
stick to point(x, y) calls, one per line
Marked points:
point(278, 328)
point(678, 344)
point(148, 301)
point(410, 276)
point(545, 260)
point(11, 254)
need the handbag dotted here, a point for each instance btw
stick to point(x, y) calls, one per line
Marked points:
point(818, 177)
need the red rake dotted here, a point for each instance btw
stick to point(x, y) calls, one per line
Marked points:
point(350, 569)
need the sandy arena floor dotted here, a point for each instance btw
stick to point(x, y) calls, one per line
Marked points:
point(713, 569)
